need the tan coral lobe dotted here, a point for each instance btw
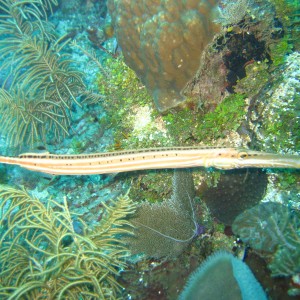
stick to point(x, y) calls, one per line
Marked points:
point(162, 41)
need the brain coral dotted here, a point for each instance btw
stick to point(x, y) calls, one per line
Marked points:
point(162, 41)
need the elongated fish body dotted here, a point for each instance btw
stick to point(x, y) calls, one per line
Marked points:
point(153, 158)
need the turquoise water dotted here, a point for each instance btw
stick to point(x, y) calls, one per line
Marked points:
point(85, 77)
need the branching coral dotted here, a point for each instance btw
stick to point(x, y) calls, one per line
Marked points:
point(47, 252)
point(38, 72)
point(26, 120)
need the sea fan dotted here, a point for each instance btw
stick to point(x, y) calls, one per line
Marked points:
point(165, 229)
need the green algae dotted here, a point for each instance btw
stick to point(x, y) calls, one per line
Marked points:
point(227, 117)
point(152, 187)
point(257, 76)
point(190, 126)
point(280, 49)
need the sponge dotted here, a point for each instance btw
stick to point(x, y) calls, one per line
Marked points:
point(222, 276)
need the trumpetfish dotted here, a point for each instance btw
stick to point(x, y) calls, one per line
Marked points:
point(152, 158)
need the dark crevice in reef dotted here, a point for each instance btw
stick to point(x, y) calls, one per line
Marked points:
point(241, 50)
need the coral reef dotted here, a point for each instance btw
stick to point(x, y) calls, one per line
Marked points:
point(248, 28)
point(273, 123)
point(193, 125)
point(273, 228)
point(42, 83)
point(165, 229)
point(47, 252)
point(234, 192)
point(248, 61)
point(277, 125)
point(232, 12)
point(288, 12)
point(223, 276)
point(163, 42)
point(129, 108)
point(227, 117)
point(147, 186)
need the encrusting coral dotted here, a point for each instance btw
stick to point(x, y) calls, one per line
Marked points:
point(46, 252)
point(163, 42)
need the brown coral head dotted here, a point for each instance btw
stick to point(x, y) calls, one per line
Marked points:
point(163, 42)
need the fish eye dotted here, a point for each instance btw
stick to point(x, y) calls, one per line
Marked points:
point(242, 155)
